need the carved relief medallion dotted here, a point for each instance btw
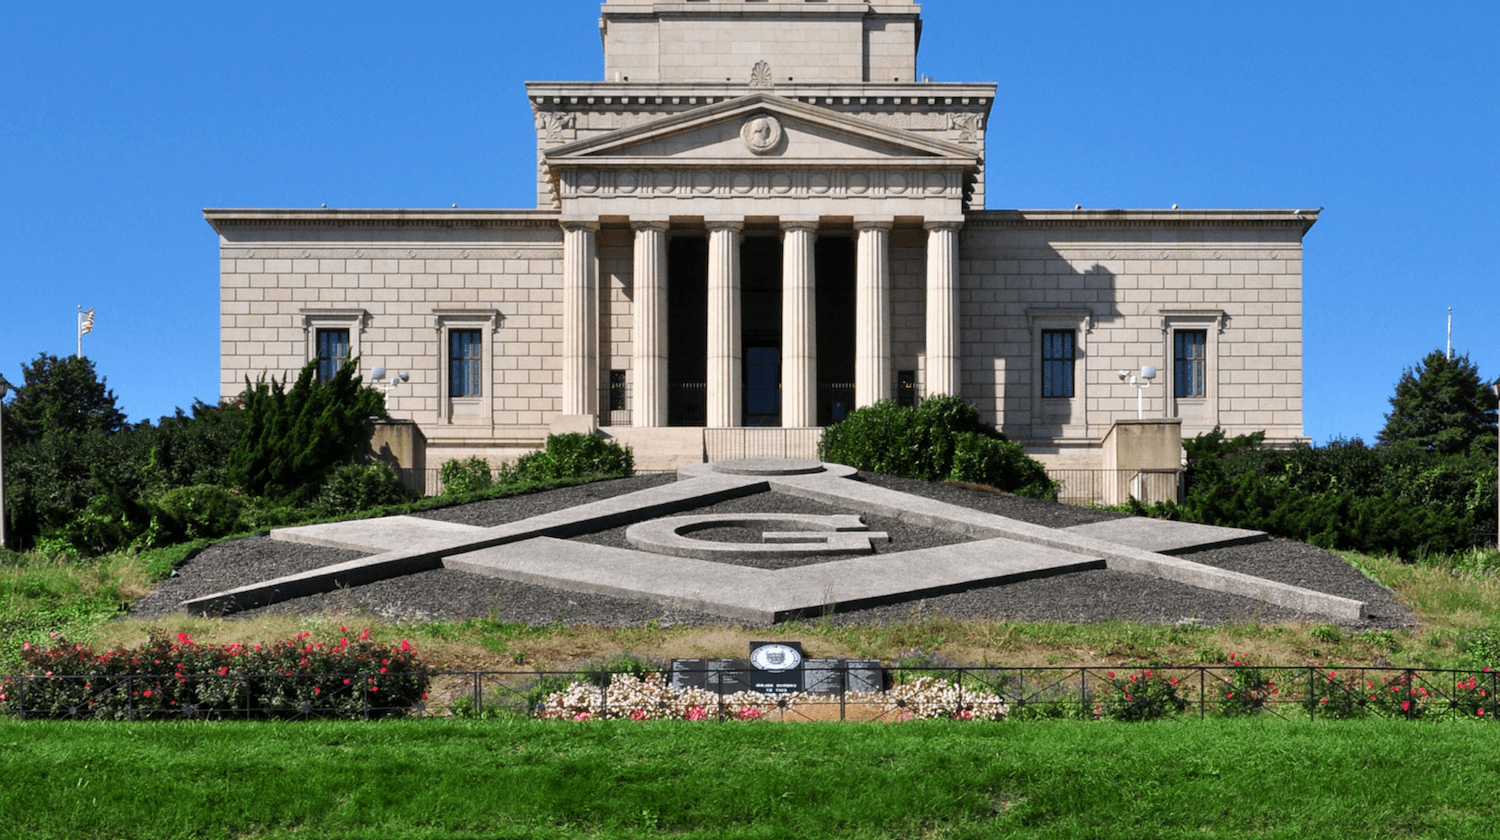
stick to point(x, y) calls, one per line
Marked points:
point(761, 134)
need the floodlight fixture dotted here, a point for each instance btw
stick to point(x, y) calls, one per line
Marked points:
point(1140, 382)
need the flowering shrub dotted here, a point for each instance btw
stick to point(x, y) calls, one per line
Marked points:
point(930, 698)
point(1339, 697)
point(178, 677)
point(1246, 691)
point(1143, 696)
point(650, 697)
point(1398, 696)
point(1474, 697)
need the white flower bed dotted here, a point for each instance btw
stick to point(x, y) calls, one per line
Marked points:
point(651, 698)
point(930, 698)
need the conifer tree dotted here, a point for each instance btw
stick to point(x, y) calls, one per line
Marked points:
point(293, 438)
point(1442, 405)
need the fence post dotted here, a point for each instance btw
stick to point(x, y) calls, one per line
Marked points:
point(1202, 691)
point(1312, 698)
point(1083, 692)
point(960, 691)
point(843, 690)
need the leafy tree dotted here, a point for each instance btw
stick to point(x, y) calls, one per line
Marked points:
point(1442, 405)
point(293, 438)
point(60, 396)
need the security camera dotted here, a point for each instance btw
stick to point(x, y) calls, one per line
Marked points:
point(1124, 375)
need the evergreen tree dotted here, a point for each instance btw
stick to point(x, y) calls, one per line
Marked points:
point(60, 396)
point(293, 438)
point(1441, 405)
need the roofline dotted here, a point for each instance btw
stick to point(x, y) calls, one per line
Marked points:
point(360, 217)
point(598, 95)
point(1079, 217)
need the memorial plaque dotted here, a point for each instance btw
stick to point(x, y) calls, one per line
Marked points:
point(779, 668)
point(776, 667)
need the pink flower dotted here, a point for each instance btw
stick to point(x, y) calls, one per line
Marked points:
point(696, 713)
point(184, 638)
point(638, 714)
point(581, 716)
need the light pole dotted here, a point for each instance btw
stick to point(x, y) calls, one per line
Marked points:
point(1148, 373)
point(4, 387)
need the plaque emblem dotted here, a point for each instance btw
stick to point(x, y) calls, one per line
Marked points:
point(775, 657)
point(761, 134)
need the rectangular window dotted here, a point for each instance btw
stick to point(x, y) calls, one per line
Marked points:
point(617, 390)
point(1189, 362)
point(333, 352)
point(1057, 363)
point(465, 363)
point(906, 388)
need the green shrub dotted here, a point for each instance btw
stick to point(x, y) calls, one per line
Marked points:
point(575, 456)
point(999, 463)
point(356, 487)
point(201, 511)
point(1397, 499)
point(941, 439)
point(464, 478)
point(112, 520)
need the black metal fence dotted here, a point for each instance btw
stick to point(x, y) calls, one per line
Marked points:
point(990, 692)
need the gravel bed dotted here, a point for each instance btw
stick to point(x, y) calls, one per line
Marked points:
point(1077, 597)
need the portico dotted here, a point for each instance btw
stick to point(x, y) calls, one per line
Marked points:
point(753, 168)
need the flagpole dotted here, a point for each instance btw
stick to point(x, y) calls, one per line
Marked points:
point(79, 354)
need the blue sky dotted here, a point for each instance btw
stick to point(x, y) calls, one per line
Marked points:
point(121, 121)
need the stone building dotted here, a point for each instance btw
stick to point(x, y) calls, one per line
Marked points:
point(763, 217)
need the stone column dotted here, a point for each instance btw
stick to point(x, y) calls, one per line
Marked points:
point(872, 312)
point(649, 340)
point(799, 324)
point(725, 397)
point(943, 359)
point(579, 319)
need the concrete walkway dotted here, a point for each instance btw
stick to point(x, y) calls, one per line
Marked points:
point(538, 550)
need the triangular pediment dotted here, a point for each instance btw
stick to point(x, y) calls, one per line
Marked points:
point(759, 129)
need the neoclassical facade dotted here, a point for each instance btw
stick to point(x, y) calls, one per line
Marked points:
point(763, 218)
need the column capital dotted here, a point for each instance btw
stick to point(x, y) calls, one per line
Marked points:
point(874, 222)
point(800, 222)
point(734, 223)
point(943, 222)
point(650, 223)
point(579, 223)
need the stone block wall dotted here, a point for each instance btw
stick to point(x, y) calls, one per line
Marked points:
point(396, 288)
point(1125, 287)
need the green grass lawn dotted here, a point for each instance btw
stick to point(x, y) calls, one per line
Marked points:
point(455, 778)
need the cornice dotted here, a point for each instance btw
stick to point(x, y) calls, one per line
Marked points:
point(612, 96)
point(428, 218)
point(1295, 219)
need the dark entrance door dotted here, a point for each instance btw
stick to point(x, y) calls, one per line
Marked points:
point(762, 386)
